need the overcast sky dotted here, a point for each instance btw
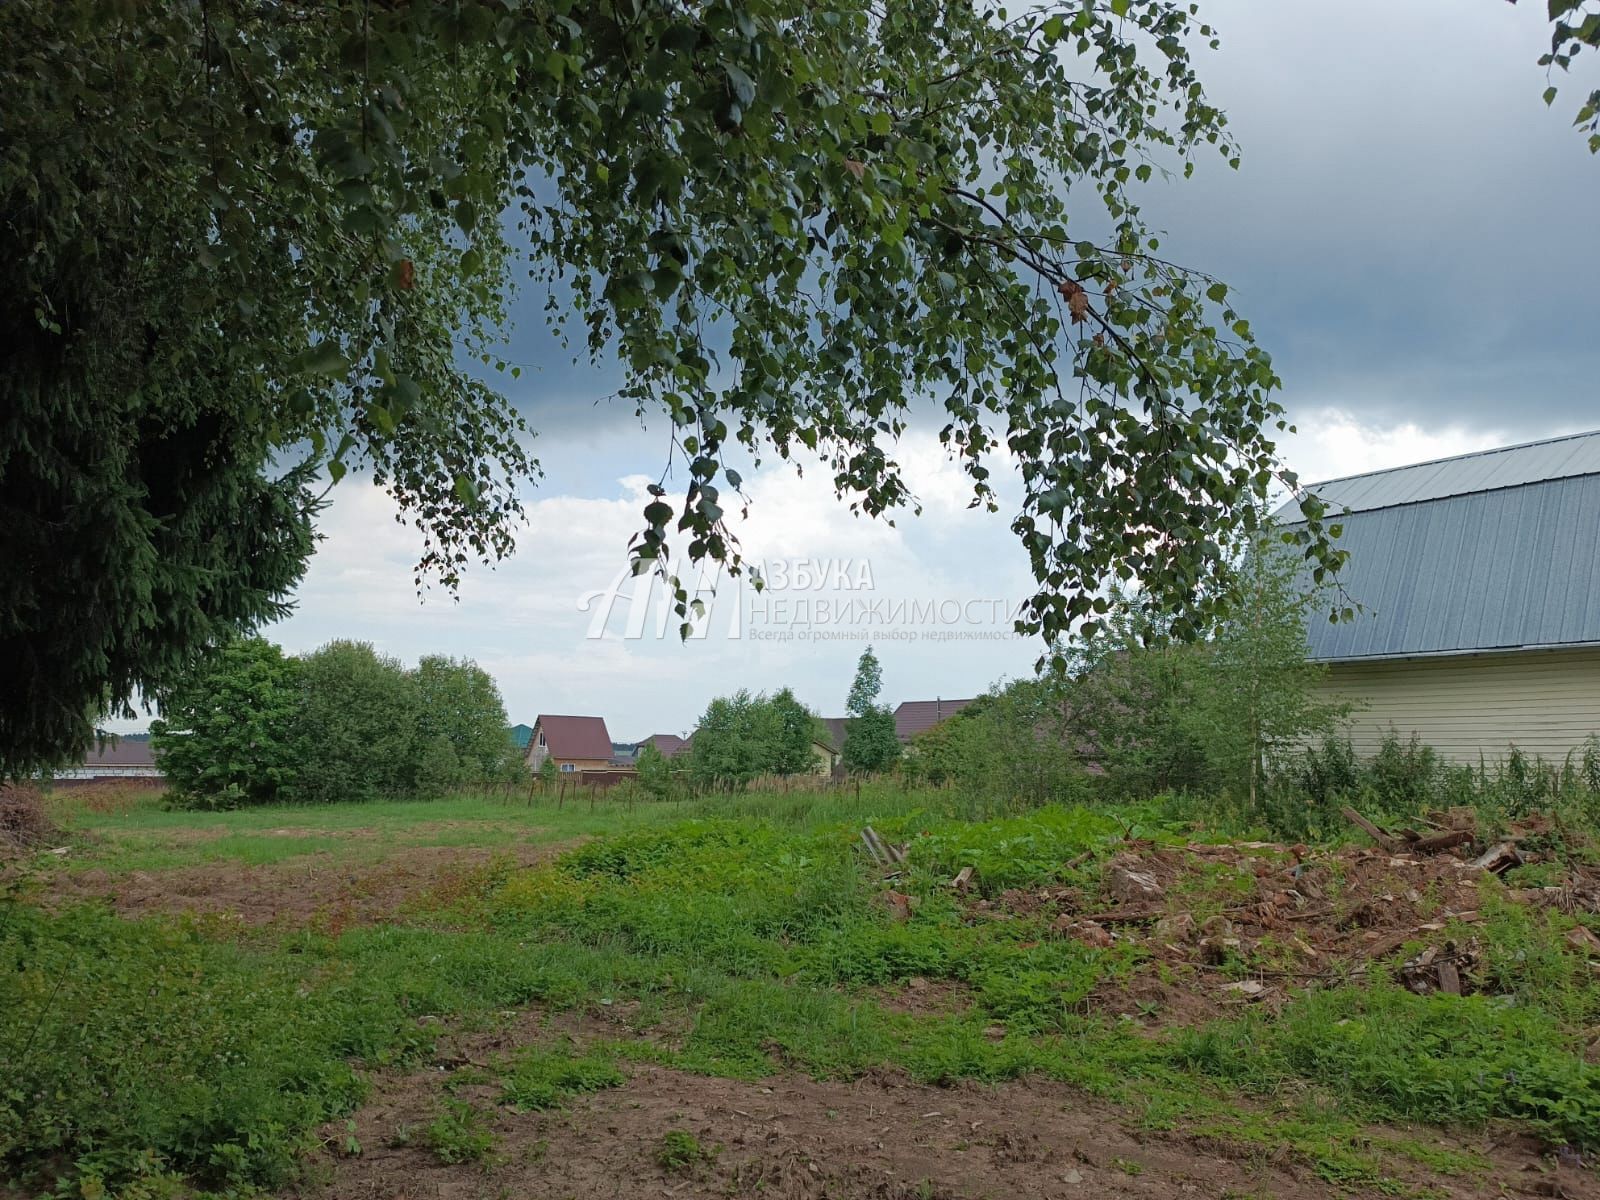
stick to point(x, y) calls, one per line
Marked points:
point(1411, 233)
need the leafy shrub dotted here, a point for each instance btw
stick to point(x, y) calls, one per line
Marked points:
point(741, 737)
point(460, 736)
point(1013, 749)
point(355, 725)
point(1405, 778)
point(225, 736)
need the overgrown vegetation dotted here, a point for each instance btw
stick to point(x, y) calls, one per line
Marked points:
point(142, 1051)
point(1013, 747)
point(743, 737)
point(1307, 790)
point(544, 1078)
point(1155, 714)
point(251, 726)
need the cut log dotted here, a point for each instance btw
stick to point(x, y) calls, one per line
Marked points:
point(1372, 831)
point(1441, 841)
point(963, 879)
point(1449, 978)
point(1500, 857)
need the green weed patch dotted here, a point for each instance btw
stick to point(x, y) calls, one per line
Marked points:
point(542, 1078)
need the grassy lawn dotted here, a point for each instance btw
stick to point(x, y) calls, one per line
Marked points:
point(145, 836)
point(154, 1053)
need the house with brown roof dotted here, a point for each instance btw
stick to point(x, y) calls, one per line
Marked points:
point(669, 744)
point(918, 716)
point(572, 743)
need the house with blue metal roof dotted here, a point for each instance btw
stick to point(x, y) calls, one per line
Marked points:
point(1478, 579)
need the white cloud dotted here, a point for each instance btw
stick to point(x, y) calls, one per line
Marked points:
point(1331, 443)
point(523, 622)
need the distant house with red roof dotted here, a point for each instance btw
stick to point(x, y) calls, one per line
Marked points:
point(669, 744)
point(572, 743)
point(911, 718)
point(918, 716)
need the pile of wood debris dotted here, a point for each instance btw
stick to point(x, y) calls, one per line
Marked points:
point(24, 828)
point(1240, 923)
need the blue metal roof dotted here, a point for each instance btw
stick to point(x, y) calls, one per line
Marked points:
point(1516, 567)
point(1485, 470)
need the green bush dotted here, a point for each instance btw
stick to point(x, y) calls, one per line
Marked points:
point(1404, 779)
point(1013, 749)
point(249, 726)
point(742, 737)
point(355, 727)
point(225, 736)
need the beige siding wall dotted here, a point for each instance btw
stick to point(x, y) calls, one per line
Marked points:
point(1545, 702)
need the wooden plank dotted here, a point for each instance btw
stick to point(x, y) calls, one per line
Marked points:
point(1371, 830)
point(1449, 978)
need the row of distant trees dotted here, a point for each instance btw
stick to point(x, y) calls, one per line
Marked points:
point(744, 737)
point(1126, 710)
point(255, 726)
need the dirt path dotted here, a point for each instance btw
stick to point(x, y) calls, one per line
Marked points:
point(877, 1138)
point(315, 890)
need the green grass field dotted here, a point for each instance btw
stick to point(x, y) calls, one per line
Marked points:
point(159, 1052)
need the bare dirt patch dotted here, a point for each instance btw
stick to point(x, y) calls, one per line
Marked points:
point(879, 1137)
point(924, 997)
point(316, 890)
